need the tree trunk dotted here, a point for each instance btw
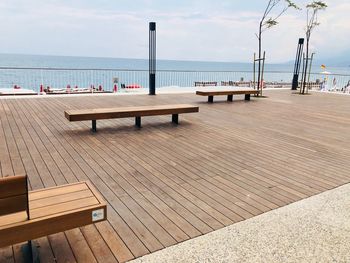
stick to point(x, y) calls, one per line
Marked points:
point(306, 65)
point(259, 65)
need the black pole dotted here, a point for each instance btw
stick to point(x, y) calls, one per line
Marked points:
point(152, 58)
point(297, 64)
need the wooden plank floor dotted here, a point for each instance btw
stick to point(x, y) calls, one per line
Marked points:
point(166, 184)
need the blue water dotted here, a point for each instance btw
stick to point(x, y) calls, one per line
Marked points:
point(129, 71)
point(14, 60)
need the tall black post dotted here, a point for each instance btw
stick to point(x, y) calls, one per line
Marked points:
point(152, 58)
point(297, 64)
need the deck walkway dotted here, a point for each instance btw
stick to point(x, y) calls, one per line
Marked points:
point(167, 184)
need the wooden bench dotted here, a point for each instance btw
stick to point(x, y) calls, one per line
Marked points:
point(229, 94)
point(126, 112)
point(237, 83)
point(29, 215)
point(205, 83)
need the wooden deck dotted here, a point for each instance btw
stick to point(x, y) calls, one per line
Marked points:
point(166, 184)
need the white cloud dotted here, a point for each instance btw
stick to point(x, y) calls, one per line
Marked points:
point(51, 27)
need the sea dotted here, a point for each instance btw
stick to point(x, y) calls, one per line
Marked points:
point(31, 71)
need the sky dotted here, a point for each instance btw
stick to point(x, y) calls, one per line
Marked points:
point(203, 30)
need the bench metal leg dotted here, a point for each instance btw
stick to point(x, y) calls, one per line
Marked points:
point(229, 97)
point(30, 253)
point(247, 96)
point(138, 122)
point(175, 118)
point(93, 128)
point(210, 99)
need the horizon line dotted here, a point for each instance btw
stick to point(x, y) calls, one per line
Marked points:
point(130, 58)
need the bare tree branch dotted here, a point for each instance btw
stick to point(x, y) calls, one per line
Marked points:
point(267, 23)
point(311, 23)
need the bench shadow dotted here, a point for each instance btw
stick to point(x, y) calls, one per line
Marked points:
point(226, 102)
point(130, 128)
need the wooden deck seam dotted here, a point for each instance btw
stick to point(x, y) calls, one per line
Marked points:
point(88, 175)
point(85, 174)
point(31, 136)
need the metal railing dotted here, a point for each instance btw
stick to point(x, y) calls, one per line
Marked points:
point(107, 79)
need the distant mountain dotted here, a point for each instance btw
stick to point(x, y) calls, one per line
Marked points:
point(340, 60)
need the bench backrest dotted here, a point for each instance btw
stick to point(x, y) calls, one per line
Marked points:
point(13, 195)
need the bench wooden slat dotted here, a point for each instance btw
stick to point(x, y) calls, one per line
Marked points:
point(56, 191)
point(95, 192)
point(63, 207)
point(13, 204)
point(57, 199)
point(13, 186)
point(13, 194)
point(14, 218)
point(126, 112)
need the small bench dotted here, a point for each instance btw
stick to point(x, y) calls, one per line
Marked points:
point(127, 112)
point(205, 83)
point(29, 215)
point(229, 94)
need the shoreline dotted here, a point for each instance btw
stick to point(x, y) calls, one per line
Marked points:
point(180, 90)
point(164, 90)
